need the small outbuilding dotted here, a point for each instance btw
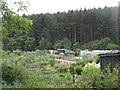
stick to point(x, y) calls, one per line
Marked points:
point(109, 59)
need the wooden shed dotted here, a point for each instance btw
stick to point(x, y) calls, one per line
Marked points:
point(109, 59)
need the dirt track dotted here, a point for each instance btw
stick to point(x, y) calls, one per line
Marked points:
point(66, 62)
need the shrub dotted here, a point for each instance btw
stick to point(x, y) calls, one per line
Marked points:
point(52, 56)
point(91, 77)
point(52, 62)
point(76, 46)
point(65, 43)
point(12, 73)
point(83, 63)
point(90, 74)
point(109, 79)
point(18, 52)
point(29, 59)
point(111, 46)
point(71, 68)
point(78, 70)
point(98, 44)
point(62, 69)
point(98, 60)
point(43, 63)
point(44, 44)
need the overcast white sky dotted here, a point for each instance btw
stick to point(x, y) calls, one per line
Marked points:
point(53, 6)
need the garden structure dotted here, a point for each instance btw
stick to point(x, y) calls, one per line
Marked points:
point(109, 59)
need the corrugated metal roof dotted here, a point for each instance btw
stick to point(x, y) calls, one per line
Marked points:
point(110, 54)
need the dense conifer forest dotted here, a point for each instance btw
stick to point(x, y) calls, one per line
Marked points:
point(79, 26)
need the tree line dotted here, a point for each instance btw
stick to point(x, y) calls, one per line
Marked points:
point(79, 26)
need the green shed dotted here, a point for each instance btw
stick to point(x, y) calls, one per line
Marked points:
point(109, 59)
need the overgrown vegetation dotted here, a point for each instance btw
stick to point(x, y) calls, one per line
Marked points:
point(20, 70)
point(37, 72)
point(102, 44)
point(28, 44)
